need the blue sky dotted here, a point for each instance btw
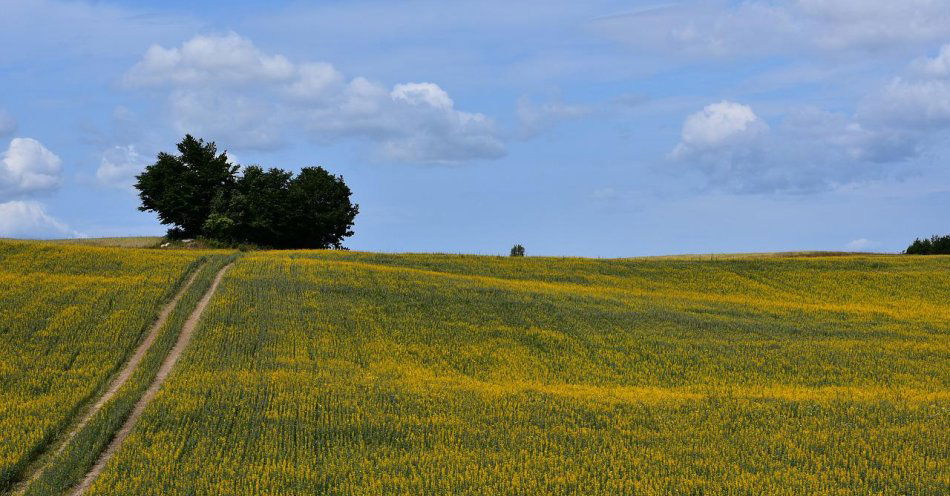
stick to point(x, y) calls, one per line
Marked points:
point(595, 128)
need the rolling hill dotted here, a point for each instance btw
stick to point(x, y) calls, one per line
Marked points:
point(332, 372)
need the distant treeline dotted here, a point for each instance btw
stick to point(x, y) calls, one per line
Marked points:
point(936, 245)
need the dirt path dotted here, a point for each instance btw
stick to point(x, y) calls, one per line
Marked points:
point(183, 339)
point(124, 375)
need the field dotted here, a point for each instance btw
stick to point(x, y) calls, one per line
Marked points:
point(128, 242)
point(315, 372)
point(69, 315)
point(358, 373)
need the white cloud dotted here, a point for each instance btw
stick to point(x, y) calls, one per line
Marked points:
point(422, 94)
point(28, 219)
point(315, 81)
point(203, 60)
point(757, 27)
point(7, 123)
point(724, 127)
point(862, 244)
point(26, 167)
point(918, 99)
point(814, 149)
point(225, 89)
point(811, 150)
point(119, 166)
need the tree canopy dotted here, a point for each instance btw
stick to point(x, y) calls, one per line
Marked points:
point(200, 193)
point(936, 245)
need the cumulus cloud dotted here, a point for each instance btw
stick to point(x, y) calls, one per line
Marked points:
point(725, 138)
point(764, 27)
point(7, 123)
point(225, 88)
point(203, 60)
point(815, 149)
point(27, 167)
point(810, 150)
point(28, 219)
point(918, 99)
point(724, 128)
point(119, 166)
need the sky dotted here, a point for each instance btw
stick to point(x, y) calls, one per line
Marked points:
point(596, 128)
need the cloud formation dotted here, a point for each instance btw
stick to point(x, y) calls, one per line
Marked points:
point(28, 219)
point(814, 149)
point(759, 27)
point(225, 88)
point(724, 128)
point(809, 150)
point(205, 60)
point(28, 167)
point(919, 99)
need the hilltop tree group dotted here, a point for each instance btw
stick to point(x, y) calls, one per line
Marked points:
point(200, 193)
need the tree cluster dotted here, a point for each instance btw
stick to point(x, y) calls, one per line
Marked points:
point(201, 193)
point(936, 245)
point(517, 251)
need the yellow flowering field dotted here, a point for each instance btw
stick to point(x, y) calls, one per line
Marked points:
point(357, 373)
point(69, 315)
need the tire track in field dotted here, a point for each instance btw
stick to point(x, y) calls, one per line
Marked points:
point(184, 338)
point(124, 375)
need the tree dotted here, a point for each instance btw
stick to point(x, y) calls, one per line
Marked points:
point(517, 251)
point(200, 193)
point(254, 210)
point(180, 188)
point(936, 245)
point(321, 213)
point(274, 208)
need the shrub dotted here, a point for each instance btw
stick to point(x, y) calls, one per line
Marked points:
point(517, 251)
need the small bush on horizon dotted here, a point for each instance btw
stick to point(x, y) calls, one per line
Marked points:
point(517, 251)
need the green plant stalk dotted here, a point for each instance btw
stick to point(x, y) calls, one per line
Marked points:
point(67, 468)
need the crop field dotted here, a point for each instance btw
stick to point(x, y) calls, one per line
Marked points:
point(127, 242)
point(69, 315)
point(356, 373)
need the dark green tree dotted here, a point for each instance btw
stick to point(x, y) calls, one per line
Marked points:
point(255, 210)
point(180, 188)
point(936, 245)
point(517, 251)
point(321, 213)
point(200, 193)
point(919, 247)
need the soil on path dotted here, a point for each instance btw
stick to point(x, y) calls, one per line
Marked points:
point(184, 338)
